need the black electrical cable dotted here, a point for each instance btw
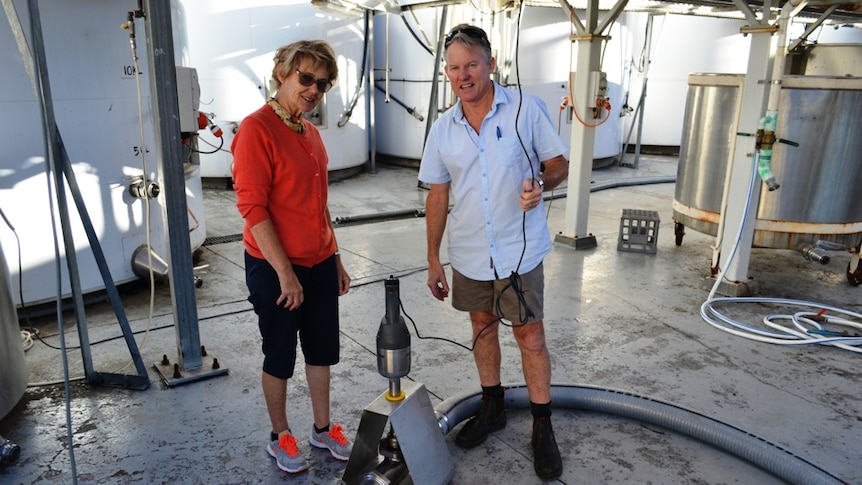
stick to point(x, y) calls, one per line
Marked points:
point(416, 329)
point(413, 33)
point(459, 344)
point(217, 149)
point(29, 328)
point(525, 313)
point(365, 47)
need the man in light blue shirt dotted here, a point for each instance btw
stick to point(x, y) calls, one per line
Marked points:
point(496, 150)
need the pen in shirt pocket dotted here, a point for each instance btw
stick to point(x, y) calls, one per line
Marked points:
point(498, 133)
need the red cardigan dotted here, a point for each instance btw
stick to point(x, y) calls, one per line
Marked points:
point(282, 175)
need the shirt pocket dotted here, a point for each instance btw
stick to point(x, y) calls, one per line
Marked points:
point(511, 154)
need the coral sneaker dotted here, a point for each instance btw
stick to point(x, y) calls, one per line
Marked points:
point(286, 454)
point(334, 441)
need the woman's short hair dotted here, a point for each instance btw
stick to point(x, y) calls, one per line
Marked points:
point(289, 57)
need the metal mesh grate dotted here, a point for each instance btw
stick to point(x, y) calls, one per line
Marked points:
point(222, 239)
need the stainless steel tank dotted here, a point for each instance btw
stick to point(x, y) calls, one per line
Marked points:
point(818, 198)
point(820, 179)
point(826, 60)
point(13, 368)
point(706, 149)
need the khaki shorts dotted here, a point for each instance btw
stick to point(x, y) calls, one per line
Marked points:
point(475, 296)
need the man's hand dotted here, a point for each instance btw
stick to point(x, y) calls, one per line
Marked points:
point(531, 194)
point(437, 282)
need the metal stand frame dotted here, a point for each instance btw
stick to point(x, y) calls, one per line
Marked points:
point(60, 169)
point(419, 436)
point(180, 268)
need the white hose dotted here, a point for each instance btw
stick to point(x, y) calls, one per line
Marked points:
point(806, 328)
point(26, 340)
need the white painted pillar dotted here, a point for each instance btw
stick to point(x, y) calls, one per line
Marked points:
point(736, 208)
point(584, 82)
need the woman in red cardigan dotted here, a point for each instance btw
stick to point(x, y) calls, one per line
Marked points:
point(293, 270)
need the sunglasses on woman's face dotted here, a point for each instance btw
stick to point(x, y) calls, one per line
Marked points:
point(323, 85)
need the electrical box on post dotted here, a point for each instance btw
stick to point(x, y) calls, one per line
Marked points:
point(188, 98)
point(597, 86)
point(599, 82)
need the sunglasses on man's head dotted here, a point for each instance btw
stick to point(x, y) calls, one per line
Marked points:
point(474, 33)
point(323, 85)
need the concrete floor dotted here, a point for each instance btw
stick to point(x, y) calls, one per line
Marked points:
point(615, 320)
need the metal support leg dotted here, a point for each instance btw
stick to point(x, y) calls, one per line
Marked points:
point(192, 364)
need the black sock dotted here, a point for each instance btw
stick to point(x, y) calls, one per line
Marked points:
point(321, 430)
point(272, 436)
point(493, 391)
point(540, 410)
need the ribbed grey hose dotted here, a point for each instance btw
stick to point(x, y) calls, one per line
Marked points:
point(758, 451)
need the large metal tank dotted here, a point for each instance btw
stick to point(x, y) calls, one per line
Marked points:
point(819, 178)
point(400, 135)
point(826, 60)
point(231, 44)
point(13, 368)
point(96, 103)
point(706, 148)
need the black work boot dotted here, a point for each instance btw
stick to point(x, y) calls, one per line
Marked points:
point(491, 417)
point(546, 455)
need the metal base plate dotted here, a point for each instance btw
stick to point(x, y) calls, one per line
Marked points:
point(172, 375)
point(586, 242)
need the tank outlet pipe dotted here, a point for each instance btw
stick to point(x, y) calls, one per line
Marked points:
point(393, 342)
point(141, 188)
point(740, 443)
point(410, 110)
point(388, 69)
point(148, 265)
point(9, 451)
point(815, 253)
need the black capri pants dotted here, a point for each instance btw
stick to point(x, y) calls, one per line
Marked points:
point(315, 322)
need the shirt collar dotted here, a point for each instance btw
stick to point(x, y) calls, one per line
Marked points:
point(500, 97)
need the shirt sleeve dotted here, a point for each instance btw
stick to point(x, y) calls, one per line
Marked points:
point(252, 172)
point(431, 168)
point(547, 143)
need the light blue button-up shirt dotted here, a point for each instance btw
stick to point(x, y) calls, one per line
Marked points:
point(486, 229)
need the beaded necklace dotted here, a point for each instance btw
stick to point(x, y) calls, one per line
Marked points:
point(294, 124)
